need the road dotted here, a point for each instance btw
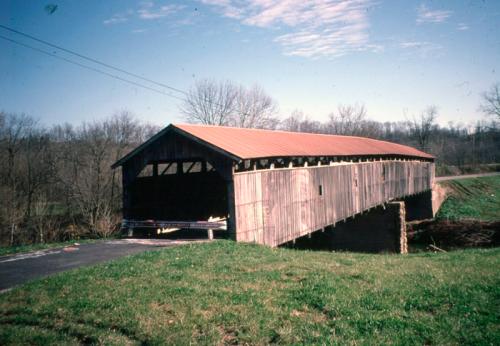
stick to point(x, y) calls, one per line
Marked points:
point(455, 177)
point(21, 268)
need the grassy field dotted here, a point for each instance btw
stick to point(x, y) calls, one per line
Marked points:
point(229, 293)
point(476, 198)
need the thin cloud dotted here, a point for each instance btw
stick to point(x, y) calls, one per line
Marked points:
point(423, 48)
point(147, 11)
point(227, 8)
point(317, 28)
point(462, 27)
point(425, 15)
point(117, 18)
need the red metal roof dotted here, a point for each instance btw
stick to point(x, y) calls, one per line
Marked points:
point(253, 143)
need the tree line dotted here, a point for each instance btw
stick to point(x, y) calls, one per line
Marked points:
point(458, 148)
point(57, 183)
point(227, 103)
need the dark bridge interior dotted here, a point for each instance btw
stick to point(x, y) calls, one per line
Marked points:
point(178, 191)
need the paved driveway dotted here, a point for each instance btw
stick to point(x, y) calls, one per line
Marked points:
point(466, 176)
point(21, 268)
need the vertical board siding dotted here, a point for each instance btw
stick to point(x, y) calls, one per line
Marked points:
point(278, 205)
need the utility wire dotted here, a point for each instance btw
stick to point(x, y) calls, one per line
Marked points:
point(93, 60)
point(90, 67)
point(99, 63)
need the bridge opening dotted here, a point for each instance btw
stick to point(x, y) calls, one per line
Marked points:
point(170, 197)
point(419, 206)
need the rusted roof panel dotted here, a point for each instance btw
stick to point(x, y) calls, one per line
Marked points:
point(253, 143)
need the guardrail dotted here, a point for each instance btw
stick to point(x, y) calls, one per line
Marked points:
point(213, 225)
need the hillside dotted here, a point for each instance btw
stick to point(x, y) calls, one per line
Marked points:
point(470, 217)
point(476, 198)
point(229, 293)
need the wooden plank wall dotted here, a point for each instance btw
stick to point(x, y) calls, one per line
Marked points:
point(275, 206)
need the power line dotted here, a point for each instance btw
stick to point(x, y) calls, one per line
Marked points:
point(99, 63)
point(93, 60)
point(90, 68)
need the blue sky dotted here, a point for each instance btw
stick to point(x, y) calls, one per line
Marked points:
point(396, 57)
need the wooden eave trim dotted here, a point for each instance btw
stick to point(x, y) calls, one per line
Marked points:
point(206, 144)
point(141, 147)
point(172, 127)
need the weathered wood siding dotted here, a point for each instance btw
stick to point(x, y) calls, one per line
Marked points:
point(278, 205)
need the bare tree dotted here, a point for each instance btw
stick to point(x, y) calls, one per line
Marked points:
point(491, 101)
point(255, 109)
point(14, 129)
point(348, 120)
point(210, 102)
point(37, 165)
point(292, 123)
point(84, 171)
point(124, 131)
point(226, 103)
point(44, 221)
point(299, 122)
point(423, 125)
point(84, 158)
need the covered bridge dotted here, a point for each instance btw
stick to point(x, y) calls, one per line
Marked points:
point(272, 186)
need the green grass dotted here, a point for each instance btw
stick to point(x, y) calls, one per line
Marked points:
point(228, 293)
point(475, 198)
point(9, 250)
